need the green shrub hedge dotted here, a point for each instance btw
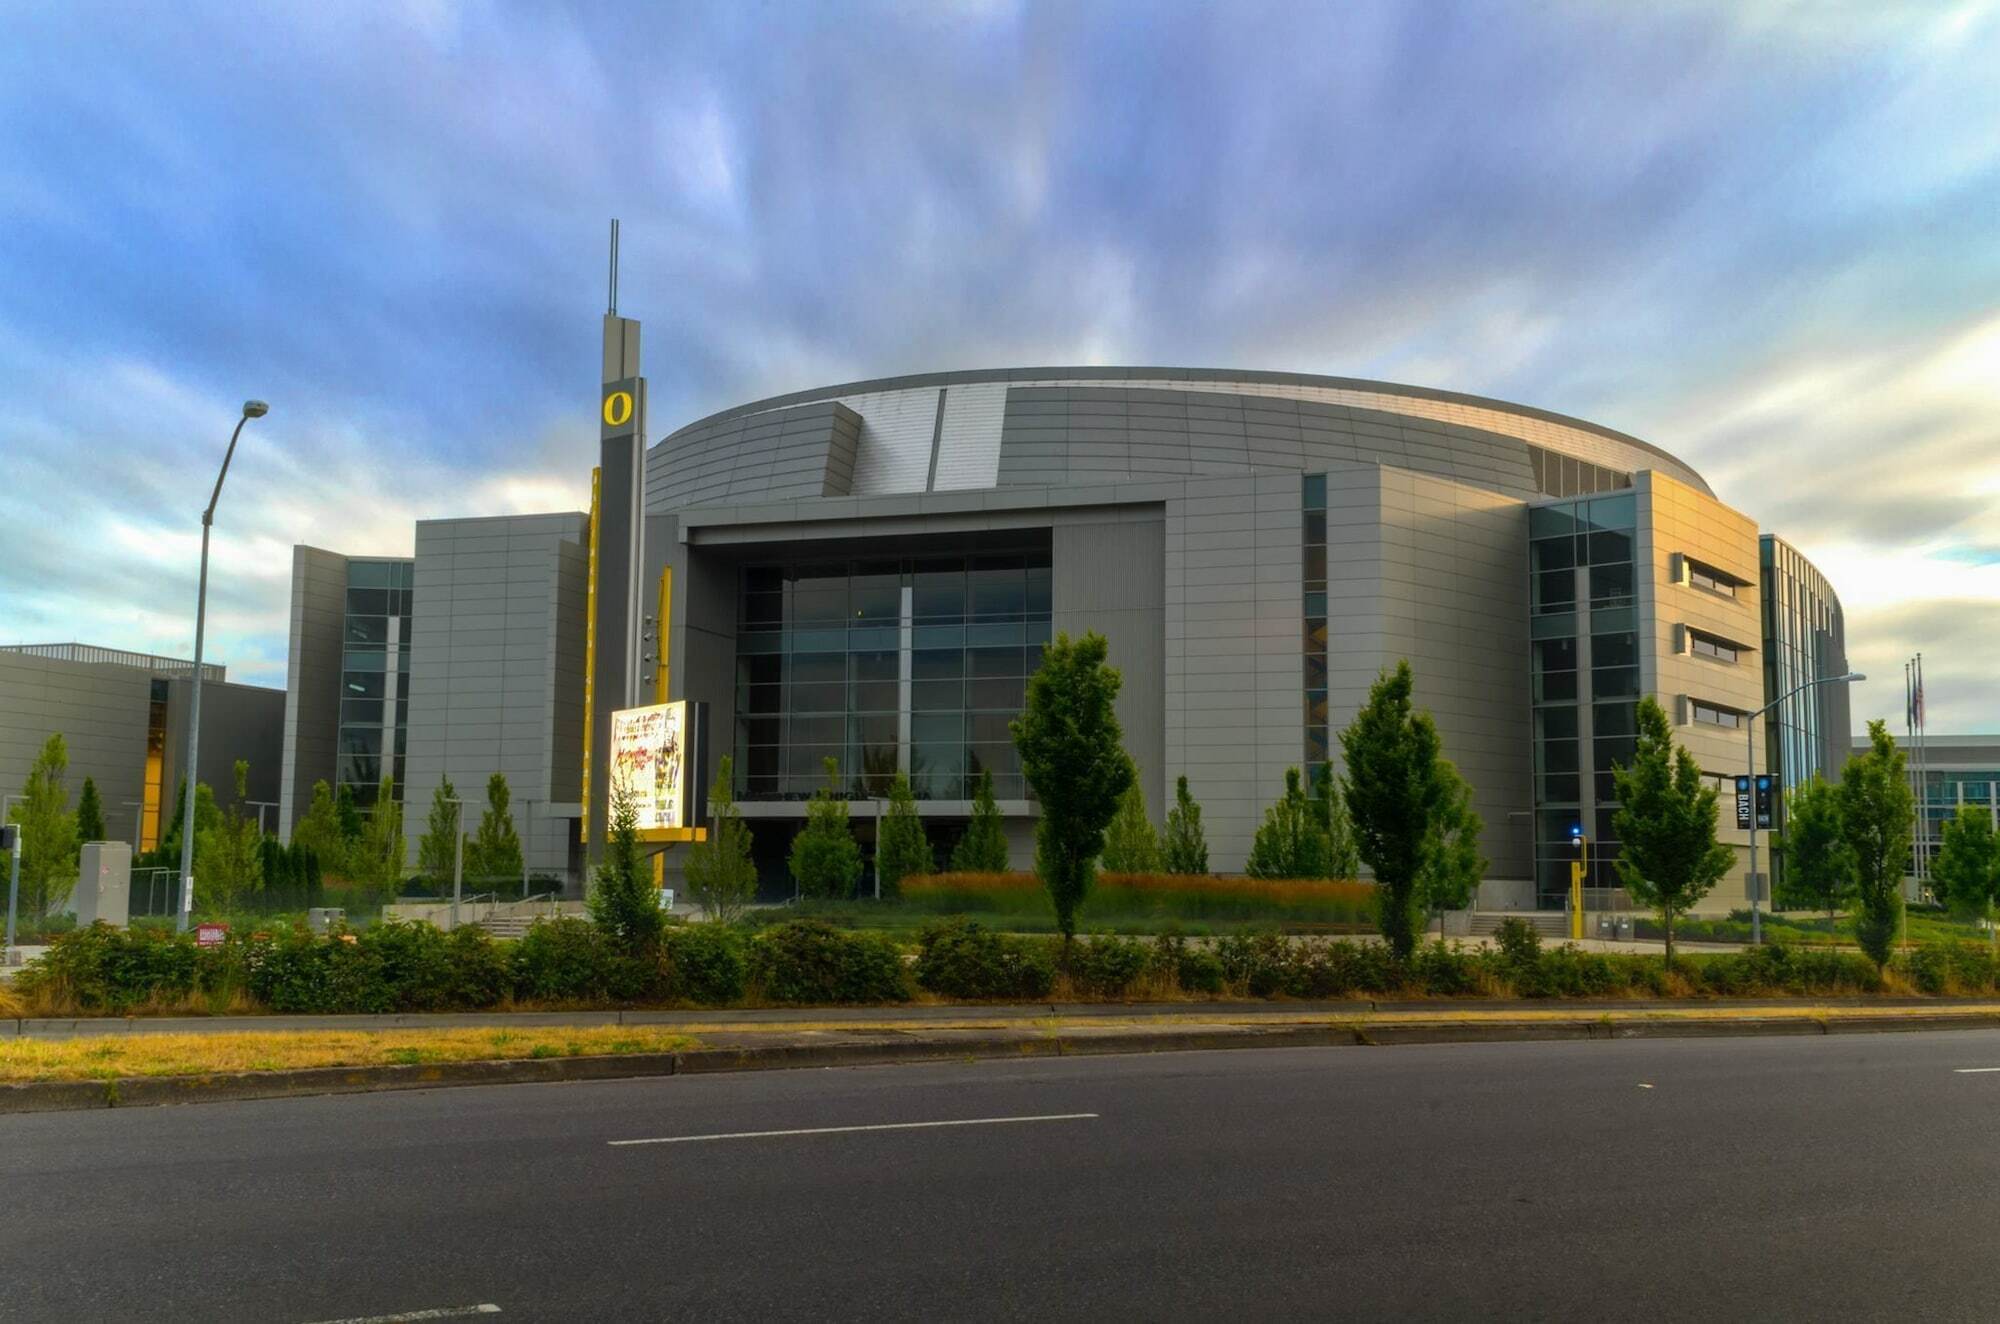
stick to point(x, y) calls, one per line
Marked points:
point(961, 958)
point(401, 967)
point(810, 961)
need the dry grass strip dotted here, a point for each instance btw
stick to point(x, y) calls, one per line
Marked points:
point(107, 1057)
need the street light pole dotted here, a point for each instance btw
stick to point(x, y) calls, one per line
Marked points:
point(457, 859)
point(13, 874)
point(251, 409)
point(1777, 788)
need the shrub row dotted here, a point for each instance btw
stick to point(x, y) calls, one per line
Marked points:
point(398, 967)
point(962, 959)
point(402, 967)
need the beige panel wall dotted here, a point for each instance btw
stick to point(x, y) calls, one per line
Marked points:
point(1676, 519)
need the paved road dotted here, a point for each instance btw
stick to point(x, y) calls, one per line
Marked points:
point(1842, 1177)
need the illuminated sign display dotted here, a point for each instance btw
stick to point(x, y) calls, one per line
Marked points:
point(649, 762)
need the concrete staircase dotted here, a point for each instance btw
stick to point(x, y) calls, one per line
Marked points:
point(1548, 923)
point(508, 926)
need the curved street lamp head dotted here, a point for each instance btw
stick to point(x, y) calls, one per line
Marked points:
point(1852, 675)
point(255, 409)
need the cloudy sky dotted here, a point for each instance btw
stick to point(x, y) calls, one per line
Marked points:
point(1765, 236)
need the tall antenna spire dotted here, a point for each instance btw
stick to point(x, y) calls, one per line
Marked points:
point(613, 309)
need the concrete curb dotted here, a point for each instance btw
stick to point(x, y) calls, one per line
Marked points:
point(152, 1091)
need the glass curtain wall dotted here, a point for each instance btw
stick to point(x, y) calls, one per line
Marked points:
point(375, 677)
point(1585, 663)
point(1318, 736)
point(916, 663)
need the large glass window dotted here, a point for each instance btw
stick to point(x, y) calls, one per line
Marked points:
point(375, 665)
point(827, 652)
point(1318, 733)
point(1583, 575)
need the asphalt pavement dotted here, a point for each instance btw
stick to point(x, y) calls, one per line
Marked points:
point(1782, 1178)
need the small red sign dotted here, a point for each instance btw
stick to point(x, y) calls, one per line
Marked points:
point(210, 935)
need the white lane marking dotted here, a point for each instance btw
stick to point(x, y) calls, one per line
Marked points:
point(442, 1312)
point(841, 1130)
point(1644, 1086)
point(1973, 1071)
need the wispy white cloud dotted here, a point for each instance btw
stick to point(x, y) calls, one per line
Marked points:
point(1758, 235)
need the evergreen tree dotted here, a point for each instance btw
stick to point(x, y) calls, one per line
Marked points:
point(1819, 864)
point(904, 851)
point(228, 863)
point(1290, 842)
point(1073, 754)
point(1185, 848)
point(437, 849)
point(983, 848)
point(721, 876)
point(1130, 843)
point(380, 855)
point(1669, 858)
point(48, 832)
point(826, 859)
point(1877, 807)
point(623, 901)
point(1330, 808)
point(89, 814)
point(1399, 793)
point(1966, 873)
point(494, 853)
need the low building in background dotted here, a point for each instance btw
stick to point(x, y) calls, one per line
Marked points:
point(123, 717)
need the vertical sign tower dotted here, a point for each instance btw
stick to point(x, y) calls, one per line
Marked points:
point(612, 679)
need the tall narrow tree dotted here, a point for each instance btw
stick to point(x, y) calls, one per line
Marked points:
point(437, 849)
point(1399, 792)
point(89, 813)
point(48, 831)
point(1290, 843)
point(902, 851)
point(1130, 843)
point(1819, 863)
point(623, 901)
point(1330, 808)
point(1453, 863)
point(349, 814)
point(494, 853)
point(1669, 857)
point(983, 848)
point(1185, 847)
point(1073, 753)
point(229, 865)
point(1876, 811)
point(826, 859)
point(721, 875)
point(382, 851)
point(319, 831)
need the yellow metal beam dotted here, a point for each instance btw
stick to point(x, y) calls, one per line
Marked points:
point(590, 646)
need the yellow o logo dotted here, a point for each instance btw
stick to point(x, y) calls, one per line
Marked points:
point(618, 408)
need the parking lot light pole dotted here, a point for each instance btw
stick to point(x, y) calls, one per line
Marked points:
point(190, 775)
point(1750, 766)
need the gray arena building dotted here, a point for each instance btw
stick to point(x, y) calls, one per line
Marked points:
point(866, 572)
